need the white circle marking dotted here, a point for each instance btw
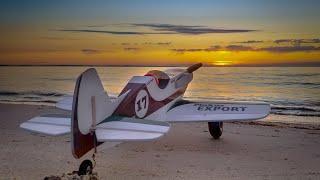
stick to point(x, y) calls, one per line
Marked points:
point(141, 104)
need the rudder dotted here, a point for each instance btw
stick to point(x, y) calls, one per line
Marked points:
point(88, 85)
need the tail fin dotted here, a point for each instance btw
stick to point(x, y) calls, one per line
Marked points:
point(91, 105)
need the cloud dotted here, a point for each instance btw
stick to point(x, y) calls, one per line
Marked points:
point(183, 50)
point(112, 32)
point(30, 49)
point(131, 49)
point(158, 43)
point(191, 30)
point(287, 49)
point(163, 43)
point(162, 29)
point(237, 48)
point(97, 26)
point(250, 42)
point(296, 42)
point(145, 43)
point(214, 48)
point(90, 51)
point(57, 38)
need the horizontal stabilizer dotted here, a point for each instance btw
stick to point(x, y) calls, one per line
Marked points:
point(65, 103)
point(186, 111)
point(116, 128)
point(53, 125)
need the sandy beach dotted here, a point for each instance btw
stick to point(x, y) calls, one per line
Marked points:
point(262, 150)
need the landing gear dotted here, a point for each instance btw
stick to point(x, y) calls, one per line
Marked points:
point(215, 129)
point(85, 168)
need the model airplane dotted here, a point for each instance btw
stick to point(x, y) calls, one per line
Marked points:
point(142, 111)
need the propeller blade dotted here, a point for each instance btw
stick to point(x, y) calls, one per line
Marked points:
point(194, 67)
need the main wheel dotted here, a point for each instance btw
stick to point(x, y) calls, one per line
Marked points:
point(215, 129)
point(85, 167)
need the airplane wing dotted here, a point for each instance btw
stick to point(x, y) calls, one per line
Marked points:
point(49, 124)
point(188, 111)
point(114, 128)
point(117, 128)
point(65, 103)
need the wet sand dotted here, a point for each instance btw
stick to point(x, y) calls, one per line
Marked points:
point(260, 150)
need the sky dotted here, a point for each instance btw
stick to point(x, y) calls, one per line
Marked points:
point(160, 33)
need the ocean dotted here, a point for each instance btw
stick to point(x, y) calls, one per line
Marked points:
point(290, 90)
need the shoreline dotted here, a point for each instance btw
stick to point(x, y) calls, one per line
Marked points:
point(246, 150)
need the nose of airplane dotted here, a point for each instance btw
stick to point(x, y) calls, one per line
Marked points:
point(194, 67)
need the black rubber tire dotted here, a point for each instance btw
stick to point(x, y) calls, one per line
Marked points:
point(215, 129)
point(85, 167)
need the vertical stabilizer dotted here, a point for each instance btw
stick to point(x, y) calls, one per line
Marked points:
point(88, 87)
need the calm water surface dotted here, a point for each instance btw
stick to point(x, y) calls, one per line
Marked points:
point(290, 90)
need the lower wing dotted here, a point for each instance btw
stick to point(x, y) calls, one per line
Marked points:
point(188, 111)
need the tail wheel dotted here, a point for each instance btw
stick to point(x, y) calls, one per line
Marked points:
point(215, 129)
point(85, 167)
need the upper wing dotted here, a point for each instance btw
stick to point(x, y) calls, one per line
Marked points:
point(187, 111)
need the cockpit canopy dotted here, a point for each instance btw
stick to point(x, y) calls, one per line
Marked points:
point(162, 79)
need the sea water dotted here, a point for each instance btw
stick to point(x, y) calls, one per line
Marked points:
point(290, 90)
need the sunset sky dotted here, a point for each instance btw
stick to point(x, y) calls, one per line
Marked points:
point(167, 32)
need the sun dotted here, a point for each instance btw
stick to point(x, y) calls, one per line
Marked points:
point(222, 62)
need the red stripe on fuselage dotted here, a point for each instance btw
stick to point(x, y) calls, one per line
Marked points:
point(127, 106)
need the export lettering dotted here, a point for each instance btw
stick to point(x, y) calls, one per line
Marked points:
point(217, 107)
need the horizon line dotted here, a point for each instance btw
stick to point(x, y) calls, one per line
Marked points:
point(316, 64)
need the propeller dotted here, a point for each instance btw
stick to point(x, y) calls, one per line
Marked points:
point(185, 77)
point(194, 67)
